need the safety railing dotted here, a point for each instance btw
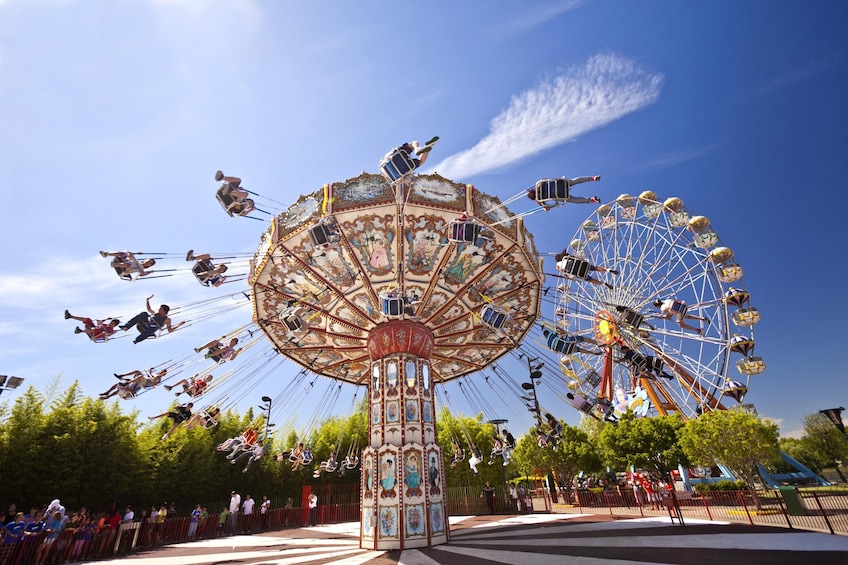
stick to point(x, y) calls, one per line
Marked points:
point(83, 544)
point(786, 507)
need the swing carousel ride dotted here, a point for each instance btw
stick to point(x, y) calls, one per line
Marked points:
point(399, 282)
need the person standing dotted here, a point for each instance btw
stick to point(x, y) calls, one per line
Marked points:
point(513, 494)
point(235, 502)
point(488, 492)
point(247, 510)
point(265, 511)
point(313, 508)
point(287, 510)
point(192, 525)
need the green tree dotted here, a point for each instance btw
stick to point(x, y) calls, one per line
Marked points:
point(737, 438)
point(574, 453)
point(466, 430)
point(824, 442)
point(647, 443)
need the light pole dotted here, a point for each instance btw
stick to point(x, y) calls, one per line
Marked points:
point(532, 400)
point(266, 409)
point(9, 383)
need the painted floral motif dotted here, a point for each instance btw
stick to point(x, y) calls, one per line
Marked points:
point(392, 411)
point(436, 521)
point(427, 413)
point(388, 522)
point(367, 523)
point(411, 410)
point(415, 520)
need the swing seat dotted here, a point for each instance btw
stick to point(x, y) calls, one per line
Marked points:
point(631, 318)
point(593, 378)
point(552, 189)
point(396, 165)
point(202, 270)
point(143, 326)
point(580, 403)
point(391, 306)
point(574, 267)
point(291, 321)
point(351, 463)
point(464, 231)
point(493, 316)
point(563, 346)
point(638, 363)
point(655, 365)
point(232, 205)
point(679, 309)
point(324, 233)
point(306, 458)
point(208, 421)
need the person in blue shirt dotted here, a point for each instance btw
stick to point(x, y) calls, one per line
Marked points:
point(15, 529)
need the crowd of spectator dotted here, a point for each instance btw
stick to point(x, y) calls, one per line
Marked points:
point(52, 534)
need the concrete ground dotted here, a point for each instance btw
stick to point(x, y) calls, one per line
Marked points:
point(540, 539)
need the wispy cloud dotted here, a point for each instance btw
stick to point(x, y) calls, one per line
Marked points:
point(537, 14)
point(675, 158)
point(793, 76)
point(558, 110)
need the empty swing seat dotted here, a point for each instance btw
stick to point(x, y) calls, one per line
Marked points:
point(551, 189)
point(396, 165)
point(493, 316)
point(463, 231)
point(292, 323)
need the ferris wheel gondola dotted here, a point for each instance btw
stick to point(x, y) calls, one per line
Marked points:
point(661, 307)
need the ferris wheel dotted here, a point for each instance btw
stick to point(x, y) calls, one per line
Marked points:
point(652, 315)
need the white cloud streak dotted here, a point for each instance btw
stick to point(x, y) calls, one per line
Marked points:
point(558, 110)
point(538, 14)
point(676, 158)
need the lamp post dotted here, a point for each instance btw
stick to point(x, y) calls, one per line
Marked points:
point(532, 400)
point(266, 409)
point(9, 383)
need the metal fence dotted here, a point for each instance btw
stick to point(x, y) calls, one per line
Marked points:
point(786, 507)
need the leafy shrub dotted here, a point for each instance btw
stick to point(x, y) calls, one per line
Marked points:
point(721, 485)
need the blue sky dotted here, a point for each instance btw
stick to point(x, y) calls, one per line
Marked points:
point(116, 114)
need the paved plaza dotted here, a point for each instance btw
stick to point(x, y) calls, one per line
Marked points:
point(541, 539)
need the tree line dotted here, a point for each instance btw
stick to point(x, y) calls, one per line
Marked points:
point(89, 452)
